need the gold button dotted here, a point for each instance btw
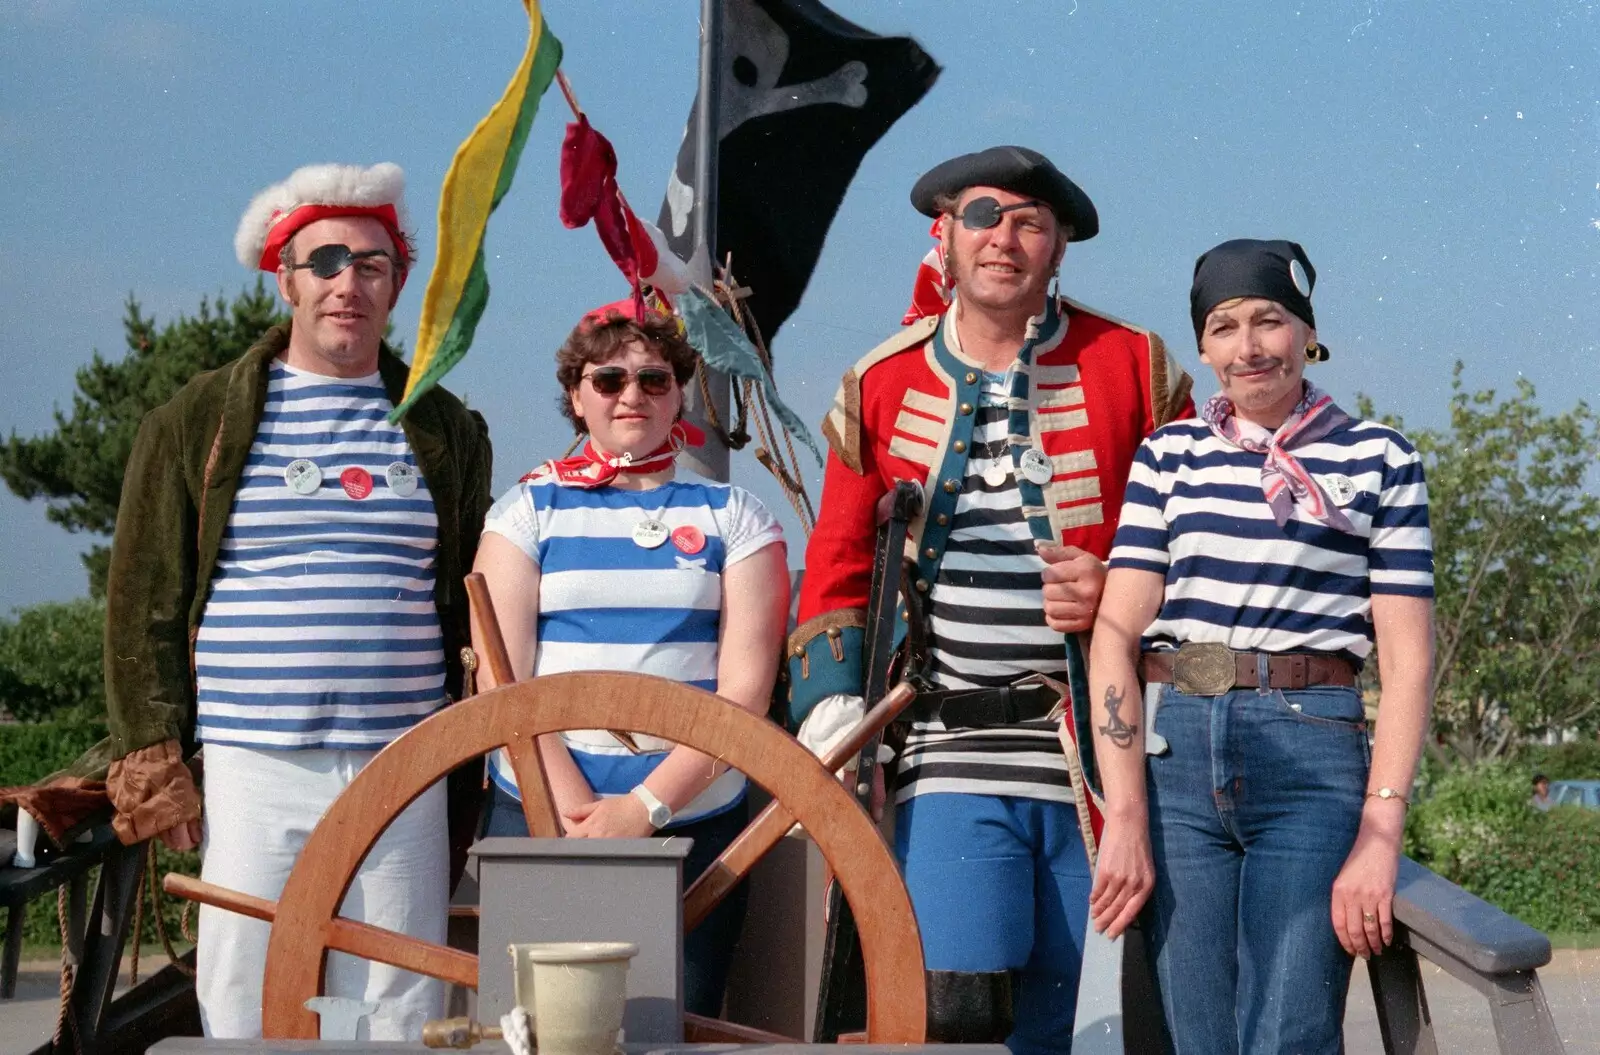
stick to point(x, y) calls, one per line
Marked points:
point(800, 653)
point(960, 446)
point(834, 633)
point(971, 377)
point(930, 553)
point(965, 408)
point(905, 615)
point(942, 519)
point(950, 487)
point(922, 585)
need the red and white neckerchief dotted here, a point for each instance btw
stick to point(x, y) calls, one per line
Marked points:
point(593, 467)
point(930, 293)
point(1285, 481)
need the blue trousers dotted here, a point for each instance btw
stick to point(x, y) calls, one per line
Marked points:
point(1002, 884)
point(708, 949)
point(1252, 814)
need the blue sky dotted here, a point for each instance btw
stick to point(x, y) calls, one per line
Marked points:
point(1439, 160)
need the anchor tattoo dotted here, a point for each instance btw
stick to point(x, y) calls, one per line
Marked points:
point(1116, 730)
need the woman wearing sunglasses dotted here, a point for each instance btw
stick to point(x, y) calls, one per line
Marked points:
point(607, 561)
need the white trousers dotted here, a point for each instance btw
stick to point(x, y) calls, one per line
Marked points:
point(260, 807)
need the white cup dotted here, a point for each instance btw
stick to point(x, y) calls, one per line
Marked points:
point(575, 991)
point(27, 837)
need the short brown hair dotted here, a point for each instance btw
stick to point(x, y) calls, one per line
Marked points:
point(600, 341)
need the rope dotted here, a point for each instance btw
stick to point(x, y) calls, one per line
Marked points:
point(785, 467)
point(138, 919)
point(158, 905)
point(64, 1019)
point(183, 924)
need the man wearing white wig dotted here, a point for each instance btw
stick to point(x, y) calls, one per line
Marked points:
point(286, 590)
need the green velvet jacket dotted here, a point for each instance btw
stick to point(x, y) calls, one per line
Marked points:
point(177, 493)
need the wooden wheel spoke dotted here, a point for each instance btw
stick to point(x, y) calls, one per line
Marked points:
point(773, 822)
point(533, 783)
point(344, 935)
point(538, 808)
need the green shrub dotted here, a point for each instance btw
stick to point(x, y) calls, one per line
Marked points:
point(1574, 761)
point(1477, 829)
point(51, 663)
point(29, 752)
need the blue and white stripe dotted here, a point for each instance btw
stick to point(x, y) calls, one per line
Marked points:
point(1195, 513)
point(606, 603)
point(320, 630)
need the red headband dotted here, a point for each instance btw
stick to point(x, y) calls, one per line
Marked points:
point(283, 226)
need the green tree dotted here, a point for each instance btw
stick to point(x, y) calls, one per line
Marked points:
point(77, 468)
point(51, 661)
point(1516, 539)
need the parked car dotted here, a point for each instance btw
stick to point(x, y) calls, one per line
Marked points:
point(1576, 793)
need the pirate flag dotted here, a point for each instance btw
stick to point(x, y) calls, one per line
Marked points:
point(804, 95)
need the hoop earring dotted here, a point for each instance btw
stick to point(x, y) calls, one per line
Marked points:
point(1316, 353)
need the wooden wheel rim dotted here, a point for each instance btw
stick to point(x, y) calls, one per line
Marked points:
point(512, 717)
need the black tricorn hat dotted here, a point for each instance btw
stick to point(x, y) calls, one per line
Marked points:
point(1016, 169)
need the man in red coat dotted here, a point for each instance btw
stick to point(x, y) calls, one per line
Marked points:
point(1018, 412)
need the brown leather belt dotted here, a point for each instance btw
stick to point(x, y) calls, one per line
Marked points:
point(1210, 669)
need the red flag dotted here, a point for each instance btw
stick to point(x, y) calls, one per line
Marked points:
point(589, 191)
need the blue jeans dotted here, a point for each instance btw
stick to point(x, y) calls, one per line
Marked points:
point(708, 949)
point(1002, 884)
point(1252, 813)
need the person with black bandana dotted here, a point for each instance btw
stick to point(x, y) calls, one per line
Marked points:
point(1265, 548)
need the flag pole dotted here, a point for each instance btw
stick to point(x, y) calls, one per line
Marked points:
point(710, 460)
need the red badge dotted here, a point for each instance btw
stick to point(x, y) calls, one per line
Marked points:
point(357, 482)
point(689, 538)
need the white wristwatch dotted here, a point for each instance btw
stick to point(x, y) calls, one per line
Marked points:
point(658, 812)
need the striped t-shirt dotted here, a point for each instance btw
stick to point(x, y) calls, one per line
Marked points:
point(1195, 513)
point(607, 603)
point(986, 628)
point(320, 630)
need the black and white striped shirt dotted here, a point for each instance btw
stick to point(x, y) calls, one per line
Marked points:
point(987, 628)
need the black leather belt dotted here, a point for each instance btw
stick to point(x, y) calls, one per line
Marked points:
point(1024, 701)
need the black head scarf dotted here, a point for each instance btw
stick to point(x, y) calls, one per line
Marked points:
point(1251, 267)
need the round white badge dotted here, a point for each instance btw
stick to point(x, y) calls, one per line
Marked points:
point(302, 476)
point(1297, 275)
point(650, 533)
point(1341, 489)
point(402, 479)
point(1036, 466)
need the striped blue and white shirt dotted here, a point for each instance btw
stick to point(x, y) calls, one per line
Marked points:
point(1195, 513)
point(320, 630)
point(986, 628)
point(606, 603)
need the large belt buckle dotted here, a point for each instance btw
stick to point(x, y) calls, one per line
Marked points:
point(1204, 669)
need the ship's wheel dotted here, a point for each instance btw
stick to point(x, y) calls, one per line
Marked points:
point(305, 921)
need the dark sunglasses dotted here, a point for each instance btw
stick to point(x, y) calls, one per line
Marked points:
point(984, 213)
point(326, 261)
point(611, 380)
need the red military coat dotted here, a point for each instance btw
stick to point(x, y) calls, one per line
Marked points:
point(1091, 388)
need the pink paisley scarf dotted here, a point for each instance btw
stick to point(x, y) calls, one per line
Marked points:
point(1284, 481)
